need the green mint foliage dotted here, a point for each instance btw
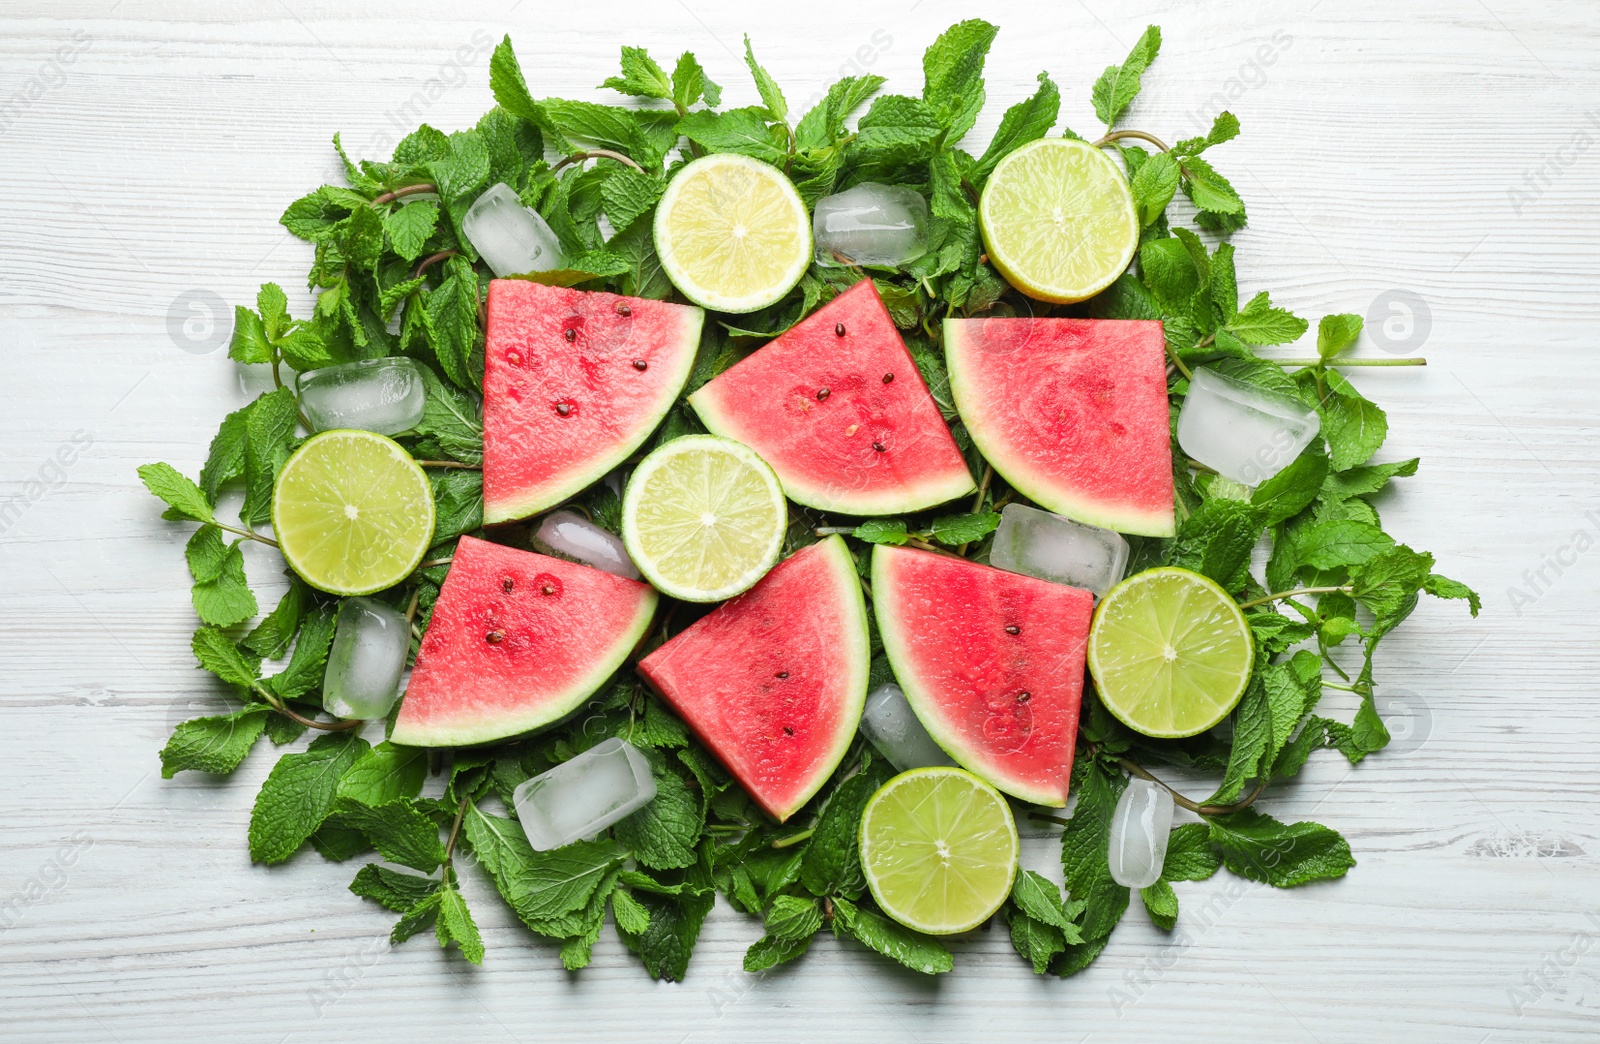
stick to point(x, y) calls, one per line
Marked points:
point(392, 275)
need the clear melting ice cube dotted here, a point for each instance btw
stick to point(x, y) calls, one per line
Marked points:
point(1057, 549)
point(510, 237)
point(370, 641)
point(1244, 433)
point(871, 224)
point(1140, 829)
point(579, 798)
point(573, 537)
point(892, 726)
point(382, 395)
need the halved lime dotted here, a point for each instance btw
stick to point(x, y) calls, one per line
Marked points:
point(732, 233)
point(1058, 220)
point(1170, 652)
point(703, 518)
point(939, 849)
point(353, 512)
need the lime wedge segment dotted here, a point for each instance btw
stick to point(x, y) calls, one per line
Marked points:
point(1058, 220)
point(352, 511)
point(732, 233)
point(703, 518)
point(939, 849)
point(1170, 652)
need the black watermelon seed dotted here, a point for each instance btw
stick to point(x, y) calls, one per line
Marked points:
point(624, 311)
point(507, 584)
point(838, 329)
point(640, 365)
point(495, 637)
point(823, 393)
point(549, 589)
point(1024, 697)
point(563, 409)
point(783, 674)
point(788, 731)
point(1013, 629)
point(880, 447)
point(570, 334)
point(888, 378)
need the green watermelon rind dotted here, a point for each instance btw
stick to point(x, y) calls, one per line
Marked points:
point(1050, 494)
point(898, 650)
point(552, 708)
point(903, 500)
point(575, 482)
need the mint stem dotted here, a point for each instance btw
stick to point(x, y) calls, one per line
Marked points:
point(284, 709)
point(245, 533)
point(450, 464)
point(1118, 135)
point(455, 832)
point(793, 839)
point(1264, 599)
point(409, 190)
point(1191, 805)
point(1417, 361)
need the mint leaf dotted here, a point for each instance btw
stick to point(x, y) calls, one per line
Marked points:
point(1252, 735)
point(954, 530)
point(1292, 689)
point(832, 863)
point(766, 86)
point(641, 76)
point(408, 227)
point(897, 130)
point(792, 917)
point(399, 829)
point(743, 131)
point(419, 918)
point(216, 744)
point(249, 341)
point(1084, 846)
point(385, 773)
point(1216, 541)
point(1119, 84)
point(1292, 490)
point(1224, 285)
point(455, 924)
point(451, 321)
point(1259, 323)
point(511, 90)
point(1041, 900)
point(1162, 904)
point(458, 502)
point(769, 951)
point(451, 423)
point(225, 459)
point(1388, 582)
point(1354, 426)
point(1331, 545)
point(952, 69)
point(544, 888)
point(675, 923)
point(628, 194)
point(299, 794)
point(824, 123)
point(1025, 121)
point(630, 914)
point(1224, 127)
point(1037, 941)
point(690, 84)
point(1190, 856)
point(271, 637)
point(304, 673)
point(1444, 587)
point(1209, 191)
point(221, 594)
point(1153, 186)
point(1259, 847)
point(1361, 481)
point(218, 654)
point(915, 951)
point(395, 890)
point(1335, 333)
point(1169, 271)
point(269, 429)
point(180, 494)
point(662, 834)
point(881, 531)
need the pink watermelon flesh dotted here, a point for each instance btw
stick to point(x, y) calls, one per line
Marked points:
point(517, 642)
point(844, 419)
point(773, 681)
point(559, 413)
point(1004, 705)
point(1072, 412)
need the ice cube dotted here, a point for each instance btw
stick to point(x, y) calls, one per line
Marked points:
point(892, 726)
point(1140, 829)
point(871, 224)
point(579, 798)
point(382, 395)
point(573, 537)
point(510, 237)
point(1242, 432)
point(1057, 549)
point(370, 643)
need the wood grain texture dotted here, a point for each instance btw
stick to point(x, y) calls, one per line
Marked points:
point(1381, 146)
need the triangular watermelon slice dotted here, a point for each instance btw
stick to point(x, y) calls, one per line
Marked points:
point(1072, 412)
point(517, 641)
point(991, 661)
point(773, 681)
point(836, 406)
point(573, 382)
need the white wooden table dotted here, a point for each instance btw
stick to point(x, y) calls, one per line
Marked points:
point(1438, 151)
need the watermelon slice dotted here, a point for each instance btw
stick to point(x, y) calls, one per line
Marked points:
point(1003, 704)
point(773, 681)
point(1071, 412)
point(517, 642)
point(837, 407)
point(573, 382)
